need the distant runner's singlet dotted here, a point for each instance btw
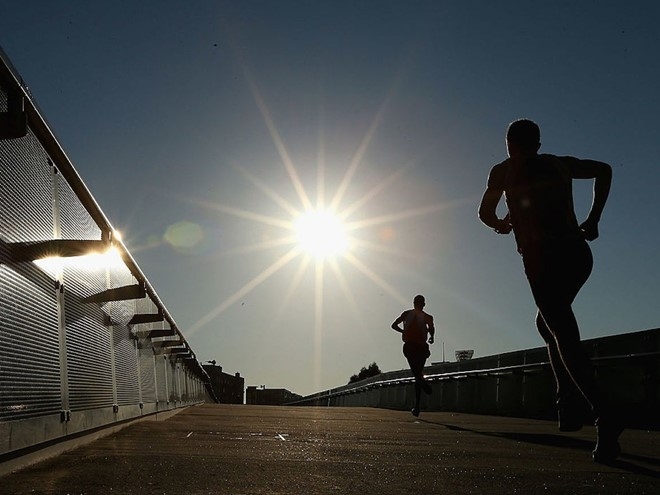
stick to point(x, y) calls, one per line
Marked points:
point(414, 326)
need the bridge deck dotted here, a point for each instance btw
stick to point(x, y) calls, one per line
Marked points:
point(221, 449)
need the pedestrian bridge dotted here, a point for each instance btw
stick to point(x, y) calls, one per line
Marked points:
point(239, 449)
point(90, 345)
point(101, 393)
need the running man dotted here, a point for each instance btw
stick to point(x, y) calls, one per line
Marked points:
point(417, 326)
point(557, 261)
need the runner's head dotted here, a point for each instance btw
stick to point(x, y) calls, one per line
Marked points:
point(419, 301)
point(523, 137)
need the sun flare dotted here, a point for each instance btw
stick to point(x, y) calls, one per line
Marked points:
point(321, 234)
point(326, 233)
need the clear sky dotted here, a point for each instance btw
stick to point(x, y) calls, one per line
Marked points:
point(204, 128)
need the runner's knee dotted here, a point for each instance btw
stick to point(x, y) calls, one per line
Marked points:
point(543, 329)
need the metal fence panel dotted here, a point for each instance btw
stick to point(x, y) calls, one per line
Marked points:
point(29, 364)
point(29, 348)
point(26, 191)
point(125, 366)
point(163, 381)
point(88, 354)
point(147, 376)
point(67, 345)
point(75, 220)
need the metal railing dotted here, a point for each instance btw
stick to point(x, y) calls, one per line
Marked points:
point(80, 346)
point(526, 389)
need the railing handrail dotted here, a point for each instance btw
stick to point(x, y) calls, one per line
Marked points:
point(51, 144)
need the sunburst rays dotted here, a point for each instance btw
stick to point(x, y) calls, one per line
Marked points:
point(341, 267)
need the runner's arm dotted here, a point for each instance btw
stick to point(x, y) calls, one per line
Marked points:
point(489, 202)
point(602, 174)
point(395, 324)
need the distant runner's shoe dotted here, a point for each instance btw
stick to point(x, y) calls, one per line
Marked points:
point(607, 446)
point(568, 422)
point(569, 419)
point(415, 411)
point(427, 387)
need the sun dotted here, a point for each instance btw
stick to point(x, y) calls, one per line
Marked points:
point(325, 232)
point(321, 234)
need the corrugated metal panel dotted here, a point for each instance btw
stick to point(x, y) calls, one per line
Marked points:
point(147, 376)
point(26, 209)
point(75, 221)
point(197, 389)
point(88, 339)
point(88, 348)
point(30, 375)
point(121, 312)
point(146, 354)
point(173, 380)
point(125, 366)
point(185, 384)
point(29, 349)
point(146, 305)
point(163, 379)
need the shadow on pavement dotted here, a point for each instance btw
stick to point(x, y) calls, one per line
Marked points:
point(624, 462)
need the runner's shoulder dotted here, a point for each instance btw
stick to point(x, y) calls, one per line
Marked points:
point(498, 173)
point(565, 160)
point(500, 167)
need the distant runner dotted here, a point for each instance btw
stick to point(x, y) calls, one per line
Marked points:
point(557, 261)
point(417, 326)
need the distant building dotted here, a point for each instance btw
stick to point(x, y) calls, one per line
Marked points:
point(228, 388)
point(269, 396)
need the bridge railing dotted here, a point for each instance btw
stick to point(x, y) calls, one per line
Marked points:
point(85, 341)
point(518, 383)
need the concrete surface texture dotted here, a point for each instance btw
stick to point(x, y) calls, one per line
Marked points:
point(235, 449)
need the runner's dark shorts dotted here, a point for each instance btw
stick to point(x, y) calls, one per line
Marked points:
point(416, 350)
point(557, 271)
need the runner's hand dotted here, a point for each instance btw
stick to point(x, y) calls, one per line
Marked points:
point(503, 226)
point(589, 230)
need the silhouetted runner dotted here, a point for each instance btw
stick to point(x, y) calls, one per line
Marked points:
point(557, 261)
point(417, 326)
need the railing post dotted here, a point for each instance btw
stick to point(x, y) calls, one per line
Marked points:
point(138, 370)
point(113, 361)
point(155, 378)
point(497, 386)
point(524, 383)
point(65, 414)
point(167, 392)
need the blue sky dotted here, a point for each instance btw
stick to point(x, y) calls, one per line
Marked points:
point(200, 126)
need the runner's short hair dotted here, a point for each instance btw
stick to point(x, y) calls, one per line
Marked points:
point(524, 134)
point(419, 300)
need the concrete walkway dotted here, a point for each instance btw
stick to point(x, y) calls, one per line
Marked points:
point(221, 449)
